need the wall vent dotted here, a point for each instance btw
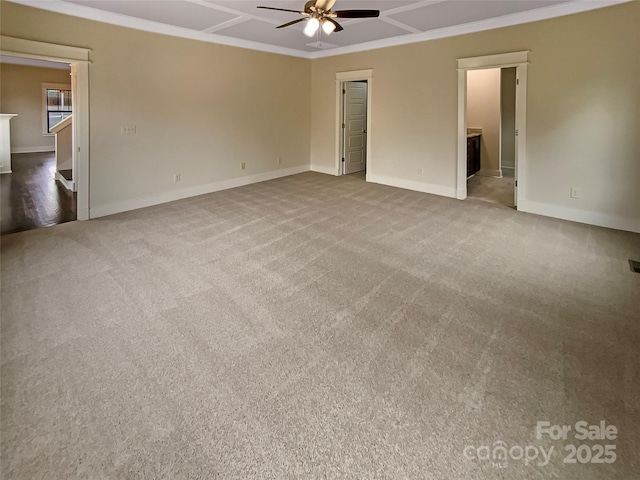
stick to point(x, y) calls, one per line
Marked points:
point(635, 266)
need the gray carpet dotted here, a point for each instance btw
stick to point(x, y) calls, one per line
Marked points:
point(315, 327)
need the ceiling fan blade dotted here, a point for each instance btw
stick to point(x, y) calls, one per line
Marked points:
point(338, 26)
point(282, 10)
point(325, 4)
point(357, 13)
point(291, 23)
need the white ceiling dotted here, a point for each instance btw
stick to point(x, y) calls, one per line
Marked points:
point(240, 23)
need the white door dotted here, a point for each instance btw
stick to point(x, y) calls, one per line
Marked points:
point(354, 157)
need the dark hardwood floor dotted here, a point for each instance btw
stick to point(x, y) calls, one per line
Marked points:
point(30, 196)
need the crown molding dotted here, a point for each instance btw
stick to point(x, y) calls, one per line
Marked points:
point(558, 10)
point(102, 16)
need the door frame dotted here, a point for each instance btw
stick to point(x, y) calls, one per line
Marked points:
point(520, 60)
point(353, 76)
point(78, 58)
point(343, 121)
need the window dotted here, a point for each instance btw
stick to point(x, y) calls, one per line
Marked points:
point(57, 105)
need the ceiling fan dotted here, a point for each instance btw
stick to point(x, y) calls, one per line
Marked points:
point(318, 13)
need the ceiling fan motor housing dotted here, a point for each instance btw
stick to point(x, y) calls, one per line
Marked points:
point(318, 12)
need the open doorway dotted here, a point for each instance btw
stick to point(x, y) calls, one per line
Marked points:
point(490, 119)
point(38, 186)
point(510, 66)
point(78, 59)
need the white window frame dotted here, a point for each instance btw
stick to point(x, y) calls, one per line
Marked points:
point(45, 87)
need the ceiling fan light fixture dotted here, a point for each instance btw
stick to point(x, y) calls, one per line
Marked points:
point(313, 24)
point(328, 26)
point(318, 13)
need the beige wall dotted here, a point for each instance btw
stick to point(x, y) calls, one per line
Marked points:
point(21, 93)
point(483, 111)
point(200, 109)
point(583, 114)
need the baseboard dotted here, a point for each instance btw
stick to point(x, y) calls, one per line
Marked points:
point(412, 185)
point(323, 169)
point(489, 173)
point(598, 219)
point(83, 214)
point(32, 149)
point(134, 204)
point(68, 184)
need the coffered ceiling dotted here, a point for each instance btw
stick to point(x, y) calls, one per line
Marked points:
point(240, 23)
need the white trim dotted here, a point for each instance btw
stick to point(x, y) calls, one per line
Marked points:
point(32, 62)
point(63, 124)
point(223, 25)
point(494, 61)
point(617, 222)
point(78, 58)
point(558, 10)
point(423, 187)
point(342, 77)
point(20, 47)
point(520, 161)
point(133, 204)
point(50, 86)
point(461, 161)
point(56, 86)
point(42, 149)
point(111, 18)
point(354, 75)
point(82, 153)
point(325, 170)
point(399, 24)
point(511, 59)
point(5, 141)
point(68, 184)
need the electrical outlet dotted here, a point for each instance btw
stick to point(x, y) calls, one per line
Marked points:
point(243, 166)
point(575, 193)
point(176, 177)
point(128, 130)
